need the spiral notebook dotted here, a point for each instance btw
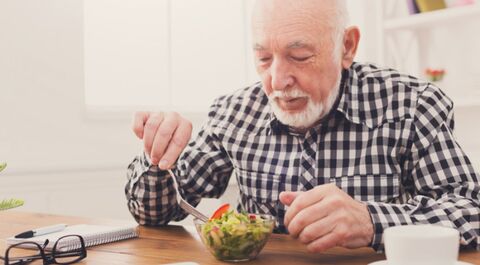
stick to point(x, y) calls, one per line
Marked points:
point(92, 234)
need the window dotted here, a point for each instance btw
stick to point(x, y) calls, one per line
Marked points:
point(165, 54)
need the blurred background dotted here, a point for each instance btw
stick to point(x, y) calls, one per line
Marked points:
point(73, 72)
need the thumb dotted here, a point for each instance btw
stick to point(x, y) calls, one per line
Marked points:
point(287, 197)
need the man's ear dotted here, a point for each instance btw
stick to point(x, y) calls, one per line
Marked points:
point(350, 45)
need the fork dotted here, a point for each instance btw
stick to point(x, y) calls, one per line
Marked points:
point(183, 203)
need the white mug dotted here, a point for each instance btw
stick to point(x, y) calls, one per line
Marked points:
point(421, 245)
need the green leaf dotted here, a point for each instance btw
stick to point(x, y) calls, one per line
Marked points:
point(10, 203)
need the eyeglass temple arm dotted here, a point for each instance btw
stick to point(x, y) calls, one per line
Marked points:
point(45, 244)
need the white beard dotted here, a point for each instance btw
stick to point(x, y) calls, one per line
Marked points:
point(314, 111)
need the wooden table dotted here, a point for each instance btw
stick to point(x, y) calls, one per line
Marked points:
point(177, 244)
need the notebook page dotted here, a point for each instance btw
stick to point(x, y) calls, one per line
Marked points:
point(92, 235)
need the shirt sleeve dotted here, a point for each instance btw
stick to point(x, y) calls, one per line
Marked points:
point(203, 169)
point(443, 185)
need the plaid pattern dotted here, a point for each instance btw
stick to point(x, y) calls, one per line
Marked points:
point(388, 141)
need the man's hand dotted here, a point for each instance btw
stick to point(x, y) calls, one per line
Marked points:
point(164, 135)
point(325, 217)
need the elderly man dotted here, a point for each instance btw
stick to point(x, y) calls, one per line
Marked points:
point(336, 150)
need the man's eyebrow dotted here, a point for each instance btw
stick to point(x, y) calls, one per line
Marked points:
point(299, 45)
point(292, 45)
point(258, 47)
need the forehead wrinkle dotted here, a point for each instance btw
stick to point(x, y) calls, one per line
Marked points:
point(295, 29)
point(290, 23)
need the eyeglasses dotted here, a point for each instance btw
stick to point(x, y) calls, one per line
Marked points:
point(15, 254)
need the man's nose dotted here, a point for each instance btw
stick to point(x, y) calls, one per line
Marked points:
point(282, 78)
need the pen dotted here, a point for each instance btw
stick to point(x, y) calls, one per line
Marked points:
point(42, 231)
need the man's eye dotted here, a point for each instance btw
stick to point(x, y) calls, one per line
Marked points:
point(264, 59)
point(301, 59)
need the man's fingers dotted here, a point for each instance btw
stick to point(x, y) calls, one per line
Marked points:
point(178, 142)
point(321, 244)
point(306, 217)
point(317, 229)
point(149, 131)
point(163, 136)
point(287, 197)
point(139, 120)
point(304, 200)
point(326, 216)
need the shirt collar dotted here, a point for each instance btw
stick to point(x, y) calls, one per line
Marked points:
point(355, 104)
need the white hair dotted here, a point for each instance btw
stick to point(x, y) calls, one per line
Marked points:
point(338, 25)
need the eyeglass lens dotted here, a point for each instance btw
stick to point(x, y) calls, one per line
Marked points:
point(24, 253)
point(68, 250)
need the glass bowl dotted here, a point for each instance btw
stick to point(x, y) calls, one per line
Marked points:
point(238, 240)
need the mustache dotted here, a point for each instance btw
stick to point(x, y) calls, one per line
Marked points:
point(291, 93)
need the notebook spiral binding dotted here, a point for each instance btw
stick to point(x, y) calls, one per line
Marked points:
point(93, 240)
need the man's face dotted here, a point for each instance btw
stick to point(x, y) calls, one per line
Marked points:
point(294, 57)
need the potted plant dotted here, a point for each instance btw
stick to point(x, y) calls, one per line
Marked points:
point(435, 75)
point(8, 203)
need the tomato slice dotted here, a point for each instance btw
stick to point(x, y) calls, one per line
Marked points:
point(220, 211)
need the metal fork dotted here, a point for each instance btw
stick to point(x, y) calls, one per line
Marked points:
point(183, 203)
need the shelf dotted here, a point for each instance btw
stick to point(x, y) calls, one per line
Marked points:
point(464, 101)
point(433, 18)
point(467, 98)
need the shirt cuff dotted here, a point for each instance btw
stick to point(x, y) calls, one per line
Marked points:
point(385, 215)
point(142, 167)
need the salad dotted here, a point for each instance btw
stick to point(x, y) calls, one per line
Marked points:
point(233, 236)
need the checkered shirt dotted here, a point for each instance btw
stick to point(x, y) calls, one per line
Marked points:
point(388, 142)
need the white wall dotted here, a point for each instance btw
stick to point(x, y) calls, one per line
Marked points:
point(45, 135)
point(155, 52)
point(44, 126)
point(126, 48)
